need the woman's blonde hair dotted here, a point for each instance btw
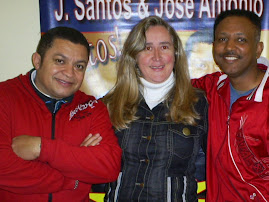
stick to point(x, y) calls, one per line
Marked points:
point(123, 99)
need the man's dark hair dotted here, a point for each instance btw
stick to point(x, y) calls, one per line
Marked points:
point(251, 16)
point(65, 33)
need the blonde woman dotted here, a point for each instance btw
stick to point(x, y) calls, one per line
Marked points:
point(159, 118)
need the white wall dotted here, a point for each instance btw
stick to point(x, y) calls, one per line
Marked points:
point(19, 35)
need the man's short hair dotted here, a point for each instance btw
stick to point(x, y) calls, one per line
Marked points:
point(65, 33)
point(251, 16)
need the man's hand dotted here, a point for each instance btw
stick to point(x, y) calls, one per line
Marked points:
point(91, 140)
point(27, 147)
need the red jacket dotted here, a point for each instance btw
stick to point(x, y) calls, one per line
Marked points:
point(238, 141)
point(63, 169)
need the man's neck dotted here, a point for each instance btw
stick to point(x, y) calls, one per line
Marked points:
point(52, 104)
point(249, 81)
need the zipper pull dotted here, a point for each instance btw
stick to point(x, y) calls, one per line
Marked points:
point(228, 120)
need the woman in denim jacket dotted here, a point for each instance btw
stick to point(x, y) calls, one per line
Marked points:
point(159, 118)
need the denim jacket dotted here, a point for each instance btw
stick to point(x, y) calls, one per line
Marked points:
point(158, 160)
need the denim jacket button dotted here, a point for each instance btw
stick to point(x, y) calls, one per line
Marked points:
point(139, 184)
point(149, 137)
point(186, 131)
point(152, 117)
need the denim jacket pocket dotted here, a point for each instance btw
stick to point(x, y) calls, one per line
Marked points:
point(183, 139)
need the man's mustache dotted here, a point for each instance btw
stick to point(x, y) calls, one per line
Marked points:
point(231, 54)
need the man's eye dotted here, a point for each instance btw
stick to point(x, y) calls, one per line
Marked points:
point(59, 61)
point(222, 39)
point(80, 67)
point(241, 39)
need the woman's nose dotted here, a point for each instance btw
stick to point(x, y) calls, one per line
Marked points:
point(156, 54)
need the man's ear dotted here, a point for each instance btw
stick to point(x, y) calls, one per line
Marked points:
point(36, 60)
point(259, 49)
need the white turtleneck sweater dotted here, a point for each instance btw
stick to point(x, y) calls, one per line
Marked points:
point(155, 93)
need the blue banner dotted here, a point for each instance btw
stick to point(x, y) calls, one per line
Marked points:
point(103, 16)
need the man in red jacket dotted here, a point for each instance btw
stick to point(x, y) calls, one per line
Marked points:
point(50, 132)
point(238, 147)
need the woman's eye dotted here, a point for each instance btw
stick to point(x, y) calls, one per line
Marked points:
point(165, 47)
point(148, 48)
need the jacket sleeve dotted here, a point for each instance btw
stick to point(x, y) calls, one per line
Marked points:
point(199, 83)
point(18, 175)
point(208, 84)
point(92, 164)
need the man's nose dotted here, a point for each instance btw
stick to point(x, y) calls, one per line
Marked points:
point(69, 70)
point(230, 45)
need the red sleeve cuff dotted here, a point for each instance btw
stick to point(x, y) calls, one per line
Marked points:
point(47, 150)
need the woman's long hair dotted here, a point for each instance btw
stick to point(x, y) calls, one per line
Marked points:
point(123, 99)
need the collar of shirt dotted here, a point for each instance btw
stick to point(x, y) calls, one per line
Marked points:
point(53, 104)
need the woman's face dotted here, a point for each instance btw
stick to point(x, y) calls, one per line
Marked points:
point(156, 61)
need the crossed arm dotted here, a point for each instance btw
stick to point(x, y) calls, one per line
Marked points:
point(29, 147)
point(25, 169)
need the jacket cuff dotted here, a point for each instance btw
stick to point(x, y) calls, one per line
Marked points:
point(70, 184)
point(47, 148)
